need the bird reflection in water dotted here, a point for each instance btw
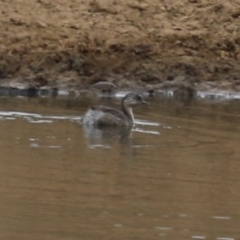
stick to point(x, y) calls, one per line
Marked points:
point(104, 137)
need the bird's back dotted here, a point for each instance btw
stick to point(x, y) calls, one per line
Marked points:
point(103, 116)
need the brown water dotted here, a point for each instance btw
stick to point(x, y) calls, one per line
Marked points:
point(176, 176)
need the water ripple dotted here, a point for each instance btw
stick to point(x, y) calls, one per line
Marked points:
point(221, 217)
point(198, 237)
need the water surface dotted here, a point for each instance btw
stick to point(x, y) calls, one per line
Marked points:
point(174, 176)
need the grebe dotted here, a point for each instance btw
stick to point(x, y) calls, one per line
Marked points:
point(103, 116)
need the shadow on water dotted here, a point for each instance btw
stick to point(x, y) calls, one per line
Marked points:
point(175, 175)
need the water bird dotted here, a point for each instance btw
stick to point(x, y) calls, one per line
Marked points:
point(103, 116)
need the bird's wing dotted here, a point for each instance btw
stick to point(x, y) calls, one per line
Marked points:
point(111, 116)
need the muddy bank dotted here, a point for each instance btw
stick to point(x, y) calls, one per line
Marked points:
point(145, 44)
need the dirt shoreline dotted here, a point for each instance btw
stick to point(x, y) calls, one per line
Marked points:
point(148, 44)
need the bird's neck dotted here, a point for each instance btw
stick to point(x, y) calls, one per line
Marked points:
point(128, 112)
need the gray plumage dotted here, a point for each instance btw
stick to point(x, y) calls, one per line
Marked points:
point(103, 116)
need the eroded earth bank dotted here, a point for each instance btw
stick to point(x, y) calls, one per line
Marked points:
point(153, 44)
